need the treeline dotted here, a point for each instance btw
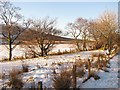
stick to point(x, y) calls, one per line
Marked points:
point(103, 30)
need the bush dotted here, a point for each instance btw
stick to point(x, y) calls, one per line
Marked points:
point(15, 72)
point(94, 75)
point(105, 69)
point(86, 65)
point(80, 72)
point(18, 58)
point(15, 81)
point(62, 52)
point(24, 67)
point(2, 76)
point(79, 63)
point(62, 81)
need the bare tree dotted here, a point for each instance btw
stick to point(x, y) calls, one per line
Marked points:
point(94, 34)
point(108, 24)
point(11, 27)
point(84, 23)
point(79, 30)
point(43, 32)
point(75, 32)
point(104, 29)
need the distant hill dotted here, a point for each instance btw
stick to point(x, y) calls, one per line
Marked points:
point(59, 38)
point(28, 36)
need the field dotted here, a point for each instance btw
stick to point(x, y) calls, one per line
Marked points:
point(43, 68)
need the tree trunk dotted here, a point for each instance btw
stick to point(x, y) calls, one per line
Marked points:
point(84, 46)
point(77, 44)
point(10, 52)
point(46, 53)
point(42, 52)
point(10, 46)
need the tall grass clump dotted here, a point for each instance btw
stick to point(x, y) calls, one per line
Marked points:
point(62, 81)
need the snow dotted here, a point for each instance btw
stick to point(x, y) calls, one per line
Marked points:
point(60, 62)
point(20, 50)
point(107, 79)
point(63, 47)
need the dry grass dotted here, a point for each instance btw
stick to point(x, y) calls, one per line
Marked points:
point(63, 52)
point(62, 81)
point(2, 76)
point(25, 67)
point(15, 81)
point(80, 63)
point(18, 58)
point(4, 59)
point(80, 72)
point(15, 72)
point(94, 75)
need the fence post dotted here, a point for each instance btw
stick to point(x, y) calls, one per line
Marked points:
point(89, 67)
point(99, 62)
point(74, 77)
point(40, 85)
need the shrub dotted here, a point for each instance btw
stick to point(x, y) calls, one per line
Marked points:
point(15, 72)
point(62, 52)
point(94, 75)
point(62, 81)
point(79, 63)
point(86, 65)
point(15, 81)
point(2, 75)
point(24, 67)
point(18, 58)
point(38, 66)
point(105, 69)
point(80, 72)
point(4, 59)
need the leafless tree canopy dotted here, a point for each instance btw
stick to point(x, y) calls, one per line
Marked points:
point(12, 25)
point(104, 29)
point(41, 32)
point(79, 30)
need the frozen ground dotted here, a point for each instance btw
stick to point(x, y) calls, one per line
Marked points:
point(20, 51)
point(47, 64)
point(108, 79)
point(119, 70)
point(60, 62)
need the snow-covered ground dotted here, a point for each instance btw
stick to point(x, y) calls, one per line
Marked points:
point(60, 62)
point(20, 50)
point(107, 79)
